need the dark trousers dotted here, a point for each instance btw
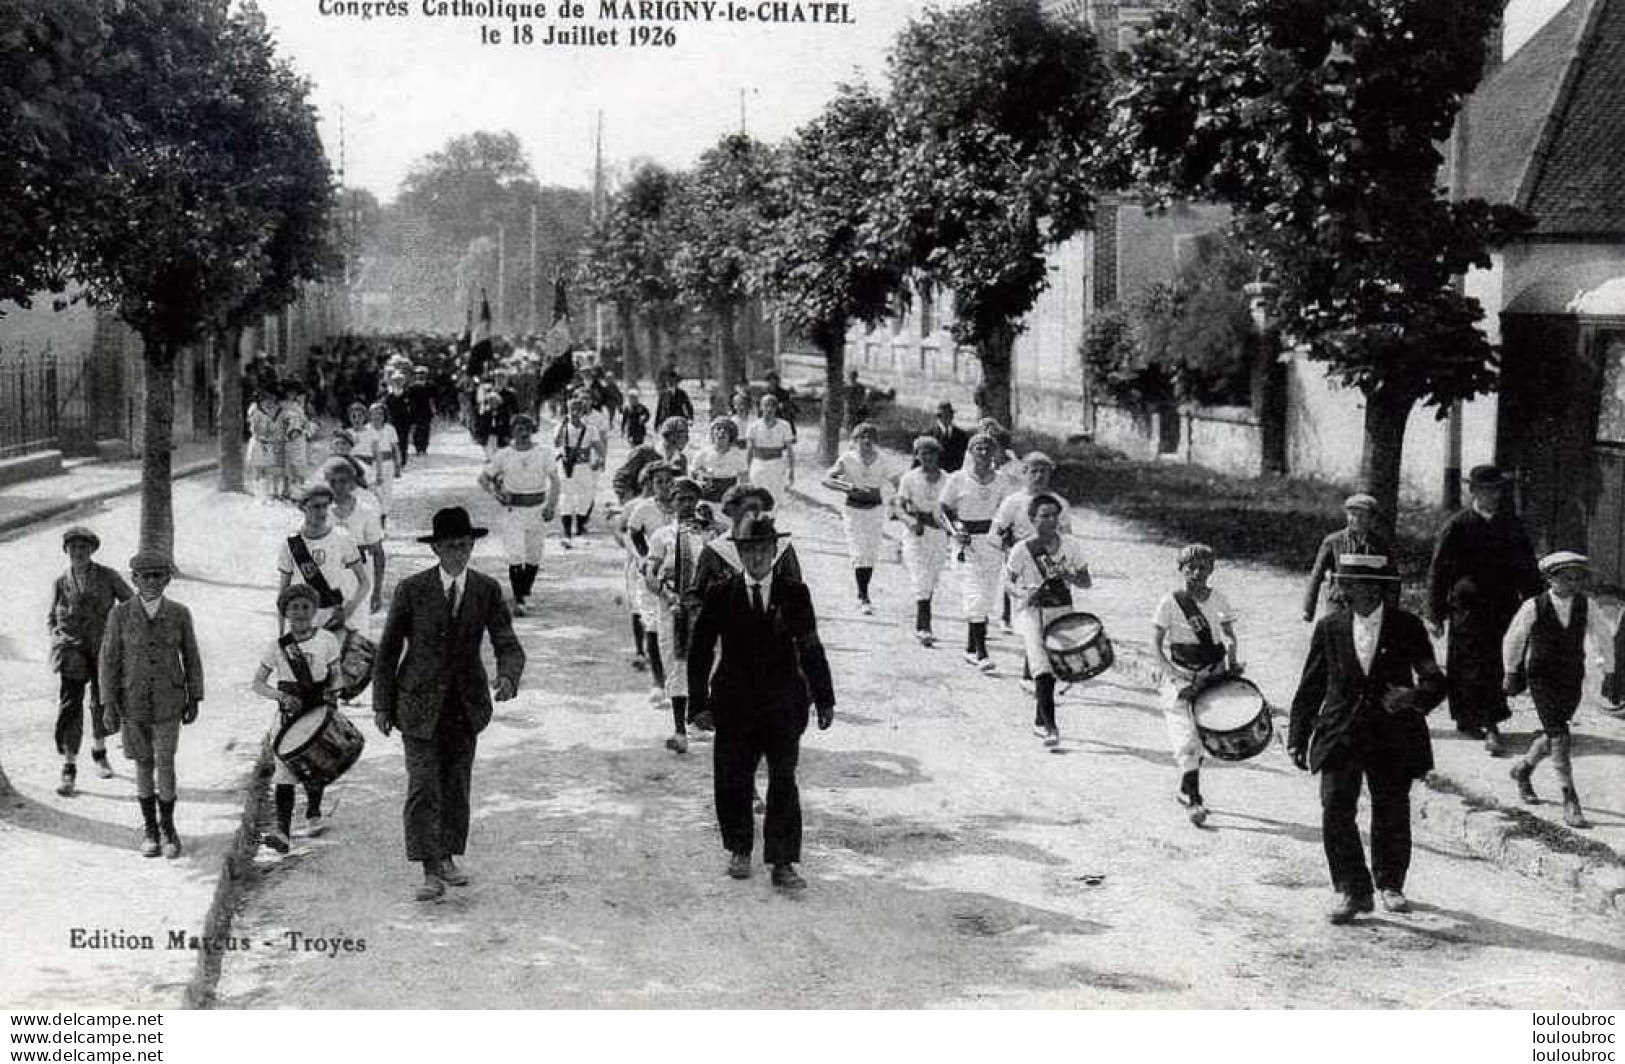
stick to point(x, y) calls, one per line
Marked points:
point(403, 432)
point(420, 436)
point(1340, 778)
point(70, 715)
point(439, 773)
point(736, 752)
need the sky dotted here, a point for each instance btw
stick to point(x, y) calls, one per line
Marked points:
point(406, 85)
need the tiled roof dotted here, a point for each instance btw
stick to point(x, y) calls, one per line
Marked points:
point(1546, 131)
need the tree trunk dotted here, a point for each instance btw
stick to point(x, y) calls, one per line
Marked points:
point(729, 366)
point(627, 322)
point(833, 346)
point(994, 396)
point(1386, 413)
point(228, 355)
point(157, 446)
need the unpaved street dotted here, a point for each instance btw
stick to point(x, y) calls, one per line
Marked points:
point(953, 862)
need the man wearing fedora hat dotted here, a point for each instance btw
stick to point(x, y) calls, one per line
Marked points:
point(1483, 568)
point(429, 681)
point(759, 629)
point(1359, 716)
point(80, 601)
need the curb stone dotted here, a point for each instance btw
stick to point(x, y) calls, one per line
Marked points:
point(28, 519)
point(1487, 829)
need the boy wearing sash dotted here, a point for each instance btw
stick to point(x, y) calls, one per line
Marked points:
point(304, 664)
point(580, 446)
point(1545, 651)
point(1040, 575)
point(1193, 635)
point(320, 553)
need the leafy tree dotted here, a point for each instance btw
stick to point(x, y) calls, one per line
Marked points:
point(822, 263)
point(628, 258)
point(1320, 122)
point(1199, 328)
point(998, 109)
point(719, 232)
point(190, 203)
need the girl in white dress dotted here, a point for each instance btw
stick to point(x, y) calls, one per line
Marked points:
point(378, 445)
point(772, 459)
point(925, 545)
point(864, 476)
point(967, 506)
point(721, 463)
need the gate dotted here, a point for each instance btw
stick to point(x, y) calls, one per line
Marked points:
point(28, 404)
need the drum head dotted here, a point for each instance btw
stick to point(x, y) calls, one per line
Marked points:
point(300, 731)
point(1228, 705)
point(1072, 631)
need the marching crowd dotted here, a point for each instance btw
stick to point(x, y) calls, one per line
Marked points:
point(725, 628)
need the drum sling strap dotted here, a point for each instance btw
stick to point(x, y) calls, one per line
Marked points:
point(313, 573)
point(304, 685)
point(1053, 593)
point(1211, 653)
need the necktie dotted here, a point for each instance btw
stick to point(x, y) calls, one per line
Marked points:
point(756, 598)
point(451, 598)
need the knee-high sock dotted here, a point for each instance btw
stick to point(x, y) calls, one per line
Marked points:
point(166, 815)
point(637, 633)
point(531, 572)
point(283, 796)
point(149, 814)
point(657, 668)
point(313, 798)
point(1563, 763)
point(1045, 699)
point(1005, 615)
point(863, 576)
point(1190, 785)
point(922, 615)
point(679, 713)
point(978, 634)
point(516, 580)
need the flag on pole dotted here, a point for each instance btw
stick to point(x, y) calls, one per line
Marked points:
point(561, 299)
point(558, 338)
point(468, 329)
point(480, 353)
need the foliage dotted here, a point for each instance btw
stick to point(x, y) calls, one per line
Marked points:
point(998, 110)
point(629, 251)
point(1115, 362)
point(1199, 326)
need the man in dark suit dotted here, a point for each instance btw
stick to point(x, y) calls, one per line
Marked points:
point(954, 439)
point(772, 667)
point(437, 694)
point(1358, 715)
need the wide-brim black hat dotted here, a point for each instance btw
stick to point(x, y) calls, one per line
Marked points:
point(758, 528)
point(452, 523)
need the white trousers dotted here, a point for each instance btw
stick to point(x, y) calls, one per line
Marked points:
point(523, 534)
point(771, 474)
point(1178, 715)
point(981, 577)
point(576, 492)
point(863, 529)
point(924, 556)
point(1029, 622)
point(639, 598)
point(384, 486)
point(676, 667)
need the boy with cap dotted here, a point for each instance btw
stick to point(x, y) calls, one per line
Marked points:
point(1358, 536)
point(760, 632)
point(1359, 717)
point(80, 601)
point(1545, 651)
point(152, 681)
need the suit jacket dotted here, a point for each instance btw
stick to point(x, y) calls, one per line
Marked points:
point(78, 618)
point(1331, 548)
point(441, 652)
point(768, 673)
point(954, 440)
point(1340, 707)
point(150, 669)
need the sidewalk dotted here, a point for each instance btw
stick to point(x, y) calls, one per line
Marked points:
point(86, 482)
point(1468, 799)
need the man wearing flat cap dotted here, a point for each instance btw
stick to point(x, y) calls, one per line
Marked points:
point(1359, 716)
point(1358, 535)
point(428, 681)
point(80, 601)
point(759, 630)
point(1483, 568)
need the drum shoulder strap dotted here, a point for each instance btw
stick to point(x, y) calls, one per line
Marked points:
point(296, 661)
point(1196, 619)
point(312, 572)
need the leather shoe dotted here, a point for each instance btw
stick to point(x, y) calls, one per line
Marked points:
point(1526, 791)
point(1573, 816)
point(786, 877)
point(1492, 744)
point(1394, 901)
point(433, 888)
point(450, 874)
point(1347, 907)
point(150, 846)
point(739, 866)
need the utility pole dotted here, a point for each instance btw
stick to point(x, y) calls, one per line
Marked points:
point(532, 318)
point(502, 269)
point(597, 215)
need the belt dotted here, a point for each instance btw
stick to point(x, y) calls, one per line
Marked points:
point(527, 498)
point(976, 528)
point(862, 502)
point(769, 454)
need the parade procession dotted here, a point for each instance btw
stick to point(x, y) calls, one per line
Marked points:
point(972, 546)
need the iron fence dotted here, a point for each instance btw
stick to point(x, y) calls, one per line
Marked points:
point(29, 411)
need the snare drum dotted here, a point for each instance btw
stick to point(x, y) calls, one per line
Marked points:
point(319, 746)
point(355, 664)
point(1077, 647)
point(1232, 719)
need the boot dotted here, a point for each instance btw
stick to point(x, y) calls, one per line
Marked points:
point(70, 776)
point(1573, 815)
point(166, 819)
point(150, 847)
point(1520, 774)
point(103, 768)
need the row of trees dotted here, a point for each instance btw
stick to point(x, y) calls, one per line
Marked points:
point(162, 159)
point(1318, 122)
